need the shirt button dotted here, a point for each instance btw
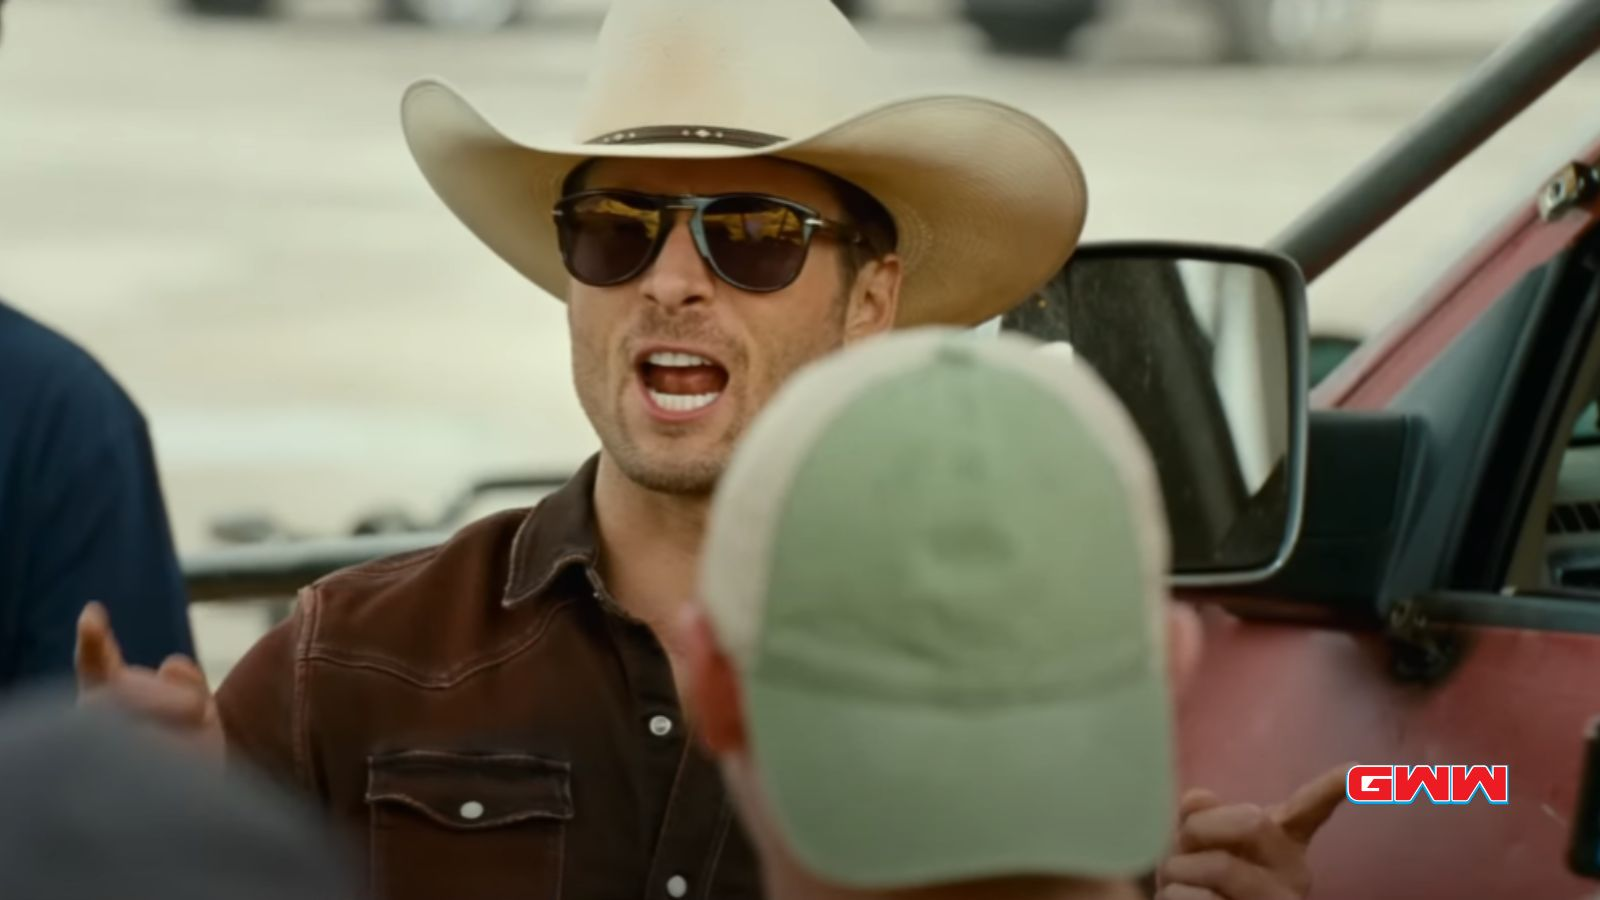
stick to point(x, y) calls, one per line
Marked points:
point(677, 886)
point(661, 726)
point(471, 810)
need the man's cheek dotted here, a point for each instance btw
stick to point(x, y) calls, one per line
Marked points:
point(592, 351)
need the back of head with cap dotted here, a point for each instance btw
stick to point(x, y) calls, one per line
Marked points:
point(94, 805)
point(935, 571)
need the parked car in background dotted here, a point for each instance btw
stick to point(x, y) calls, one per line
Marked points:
point(1266, 31)
point(1293, 30)
point(481, 15)
point(1252, 30)
point(476, 14)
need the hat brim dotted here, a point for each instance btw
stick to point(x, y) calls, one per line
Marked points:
point(989, 202)
point(883, 795)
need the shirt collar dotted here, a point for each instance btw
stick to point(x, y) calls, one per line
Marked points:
point(556, 535)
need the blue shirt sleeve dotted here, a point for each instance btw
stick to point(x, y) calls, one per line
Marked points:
point(105, 537)
point(86, 522)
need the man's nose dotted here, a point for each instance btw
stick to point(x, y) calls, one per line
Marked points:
point(678, 276)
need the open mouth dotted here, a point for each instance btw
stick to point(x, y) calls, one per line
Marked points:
point(681, 383)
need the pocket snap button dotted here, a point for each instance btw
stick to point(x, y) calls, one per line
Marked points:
point(471, 810)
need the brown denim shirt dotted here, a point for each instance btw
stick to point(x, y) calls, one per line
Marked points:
point(490, 725)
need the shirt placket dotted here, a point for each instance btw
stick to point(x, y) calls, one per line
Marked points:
point(696, 818)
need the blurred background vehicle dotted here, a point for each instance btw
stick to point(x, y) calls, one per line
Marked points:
point(1267, 31)
point(483, 15)
point(480, 15)
point(1264, 31)
point(1294, 30)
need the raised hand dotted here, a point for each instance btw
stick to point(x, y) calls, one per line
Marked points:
point(1244, 852)
point(175, 697)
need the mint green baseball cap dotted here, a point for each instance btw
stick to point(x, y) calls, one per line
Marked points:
point(938, 562)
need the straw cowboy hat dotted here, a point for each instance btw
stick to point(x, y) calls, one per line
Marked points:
point(988, 201)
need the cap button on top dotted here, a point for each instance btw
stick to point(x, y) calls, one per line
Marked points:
point(660, 726)
point(959, 350)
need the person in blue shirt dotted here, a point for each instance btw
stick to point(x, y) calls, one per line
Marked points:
point(81, 513)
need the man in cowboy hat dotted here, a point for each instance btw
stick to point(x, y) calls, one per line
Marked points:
point(499, 716)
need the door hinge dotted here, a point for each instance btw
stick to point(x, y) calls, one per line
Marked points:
point(1420, 651)
point(1575, 185)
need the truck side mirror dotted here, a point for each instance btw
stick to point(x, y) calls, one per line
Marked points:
point(1207, 348)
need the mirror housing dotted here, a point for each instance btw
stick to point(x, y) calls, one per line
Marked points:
point(1207, 347)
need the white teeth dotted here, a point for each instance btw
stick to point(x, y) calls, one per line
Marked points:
point(678, 360)
point(682, 402)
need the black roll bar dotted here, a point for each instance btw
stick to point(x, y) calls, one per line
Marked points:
point(1498, 91)
point(278, 569)
point(272, 571)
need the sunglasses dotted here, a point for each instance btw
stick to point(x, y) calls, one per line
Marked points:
point(754, 242)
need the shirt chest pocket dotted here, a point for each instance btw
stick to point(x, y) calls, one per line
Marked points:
point(467, 826)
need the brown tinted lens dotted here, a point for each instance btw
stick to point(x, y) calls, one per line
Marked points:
point(608, 239)
point(756, 244)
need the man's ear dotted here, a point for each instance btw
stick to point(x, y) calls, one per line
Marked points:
point(1184, 640)
point(711, 685)
point(875, 299)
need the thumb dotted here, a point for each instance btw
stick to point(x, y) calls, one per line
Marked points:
point(1197, 800)
point(1313, 804)
point(99, 658)
point(180, 669)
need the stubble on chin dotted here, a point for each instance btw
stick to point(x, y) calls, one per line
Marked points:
point(697, 478)
point(664, 468)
